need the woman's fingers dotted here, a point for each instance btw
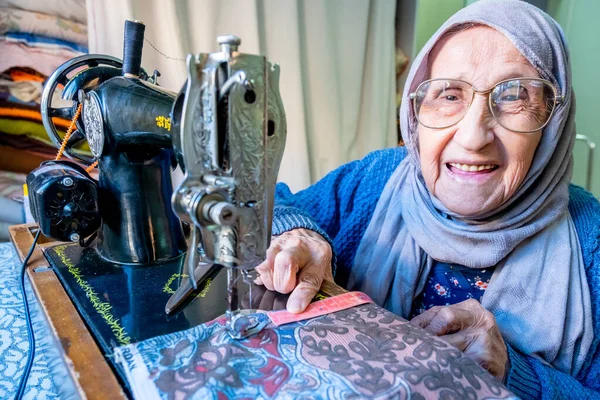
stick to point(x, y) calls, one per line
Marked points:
point(296, 262)
point(486, 348)
point(470, 328)
point(422, 320)
point(265, 269)
point(280, 303)
point(450, 320)
point(286, 266)
point(309, 283)
point(460, 340)
point(444, 320)
point(267, 300)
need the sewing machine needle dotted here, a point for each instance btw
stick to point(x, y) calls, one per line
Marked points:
point(203, 274)
point(191, 257)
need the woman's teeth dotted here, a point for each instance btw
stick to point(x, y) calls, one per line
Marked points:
point(472, 168)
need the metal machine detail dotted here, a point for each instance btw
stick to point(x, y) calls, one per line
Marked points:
point(230, 129)
point(94, 125)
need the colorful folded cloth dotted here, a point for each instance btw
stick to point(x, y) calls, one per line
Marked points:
point(18, 74)
point(15, 20)
point(44, 60)
point(21, 161)
point(6, 96)
point(27, 92)
point(21, 113)
point(33, 40)
point(70, 10)
point(31, 146)
point(21, 85)
point(361, 352)
point(32, 130)
point(11, 184)
point(33, 106)
point(35, 131)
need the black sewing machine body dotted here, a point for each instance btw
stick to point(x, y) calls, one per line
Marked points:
point(135, 185)
point(127, 251)
point(121, 281)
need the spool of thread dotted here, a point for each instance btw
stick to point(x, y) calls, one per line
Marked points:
point(132, 48)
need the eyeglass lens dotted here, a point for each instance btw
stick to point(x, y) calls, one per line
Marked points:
point(522, 105)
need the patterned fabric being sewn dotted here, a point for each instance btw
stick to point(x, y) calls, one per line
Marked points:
point(361, 352)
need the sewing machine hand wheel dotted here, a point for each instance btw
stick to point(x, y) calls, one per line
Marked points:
point(74, 76)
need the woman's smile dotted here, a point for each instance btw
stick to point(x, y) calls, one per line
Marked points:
point(472, 172)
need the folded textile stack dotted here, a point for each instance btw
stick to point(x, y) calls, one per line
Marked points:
point(36, 37)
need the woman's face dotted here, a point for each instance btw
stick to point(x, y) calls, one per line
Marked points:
point(483, 57)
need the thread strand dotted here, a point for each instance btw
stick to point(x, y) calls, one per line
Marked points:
point(91, 167)
point(63, 145)
point(163, 54)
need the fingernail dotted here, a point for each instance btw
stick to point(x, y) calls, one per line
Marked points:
point(295, 306)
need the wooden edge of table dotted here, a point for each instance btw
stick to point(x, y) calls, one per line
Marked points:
point(87, 366)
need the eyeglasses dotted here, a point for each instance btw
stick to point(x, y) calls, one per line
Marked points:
point(521, 105)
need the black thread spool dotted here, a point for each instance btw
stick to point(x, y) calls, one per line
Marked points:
point(132, 48)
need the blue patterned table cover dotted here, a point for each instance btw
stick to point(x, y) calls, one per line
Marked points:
point(42, 383)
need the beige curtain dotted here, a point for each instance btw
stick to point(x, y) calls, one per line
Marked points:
point(336, 57)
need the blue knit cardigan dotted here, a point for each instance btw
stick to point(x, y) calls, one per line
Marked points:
point(340, 207)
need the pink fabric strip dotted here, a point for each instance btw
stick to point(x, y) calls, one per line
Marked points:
point(321, 307)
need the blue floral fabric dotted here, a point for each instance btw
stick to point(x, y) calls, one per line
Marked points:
point(450, 284)
point(14, 346)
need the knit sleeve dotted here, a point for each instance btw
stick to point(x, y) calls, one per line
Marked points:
point(529, 378)
point(326, 203)
point(343, 198)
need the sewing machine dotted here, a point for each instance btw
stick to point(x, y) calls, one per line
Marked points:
point(128, 269)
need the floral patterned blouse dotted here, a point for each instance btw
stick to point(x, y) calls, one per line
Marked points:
point(450, 284)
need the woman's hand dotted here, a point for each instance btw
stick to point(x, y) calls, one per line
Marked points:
point(297, 261)
point(263, 299)
point(471, 329)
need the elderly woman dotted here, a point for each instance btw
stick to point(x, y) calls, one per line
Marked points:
point(472, 230)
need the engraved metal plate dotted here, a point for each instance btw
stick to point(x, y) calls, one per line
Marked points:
point(94, 125)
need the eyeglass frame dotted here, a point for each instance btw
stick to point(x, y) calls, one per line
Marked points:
point(558, 99)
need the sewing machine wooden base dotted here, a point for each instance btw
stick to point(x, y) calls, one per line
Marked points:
point(92, 375)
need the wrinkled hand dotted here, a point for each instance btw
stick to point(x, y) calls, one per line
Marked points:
point(471, 329)
point(297, 261)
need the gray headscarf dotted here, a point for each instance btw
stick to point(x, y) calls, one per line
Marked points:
point(538, 292)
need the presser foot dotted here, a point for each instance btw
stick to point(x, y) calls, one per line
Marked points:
point(246, 323)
